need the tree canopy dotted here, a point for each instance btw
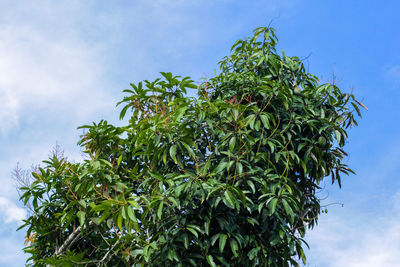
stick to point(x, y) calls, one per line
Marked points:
point(227, 178)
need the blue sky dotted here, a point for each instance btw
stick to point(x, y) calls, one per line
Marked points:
point(65, 63)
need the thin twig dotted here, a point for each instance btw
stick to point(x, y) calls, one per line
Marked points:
point(108, 252)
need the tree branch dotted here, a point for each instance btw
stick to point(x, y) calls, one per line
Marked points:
point(108, 252)
point(72, 238)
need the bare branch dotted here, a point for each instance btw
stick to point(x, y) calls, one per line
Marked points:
point(108, 252)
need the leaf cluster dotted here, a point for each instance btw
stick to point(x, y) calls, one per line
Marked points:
point(225, 179)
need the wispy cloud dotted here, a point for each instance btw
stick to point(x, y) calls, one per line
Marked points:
point(40, 73)
point(9, 212)
point(366, 231)
point(11, 254)
point(357, 239)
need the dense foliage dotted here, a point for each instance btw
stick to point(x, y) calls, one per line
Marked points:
point(228, 178)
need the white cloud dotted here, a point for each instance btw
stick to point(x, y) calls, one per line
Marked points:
point(12, 254)
point(12, 242)
point(357, 239)
point(9, 212)
point(8, 110)
point(40, 74)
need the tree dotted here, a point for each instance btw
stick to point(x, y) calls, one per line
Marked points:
point(228, 178)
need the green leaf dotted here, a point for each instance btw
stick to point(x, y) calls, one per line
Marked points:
point(252, 186)
point(136, 252)
point(179, 113)
point(253, 253)
point(119, 160)
point(193, 231)
point(275, 240)
point(239, 168)
point(124, 215)
point(82, 203)
point(156, 176)
point(288, 210)
point(96, 165)
point(301, 146)
point(322, 141)
point(234, 246)
point(214, 239)
point(131, 213)
point(232, 144)
point(186, 240)
point(253, 221)
point(303, 256)
point(222, 242)
point(132, 217)
point(272, 205)
point(356, 108)
point(194, 227)
point(134, 204)
point(235, 114)
point(119, 221)
point(304, 166)
point(172, 153)
point(164, 158)
point(210, 261)
point(81, 215)
point(123, 111)
point(160, 208)
point(221, 166)
point(337, 136)
point(207, 227)
point(264, 120)
point(189, 149)
point(230, 199)
point(205, 168)
point(174, 201)
point(271, 146)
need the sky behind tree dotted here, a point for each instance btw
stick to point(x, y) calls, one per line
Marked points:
point(65, 63)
